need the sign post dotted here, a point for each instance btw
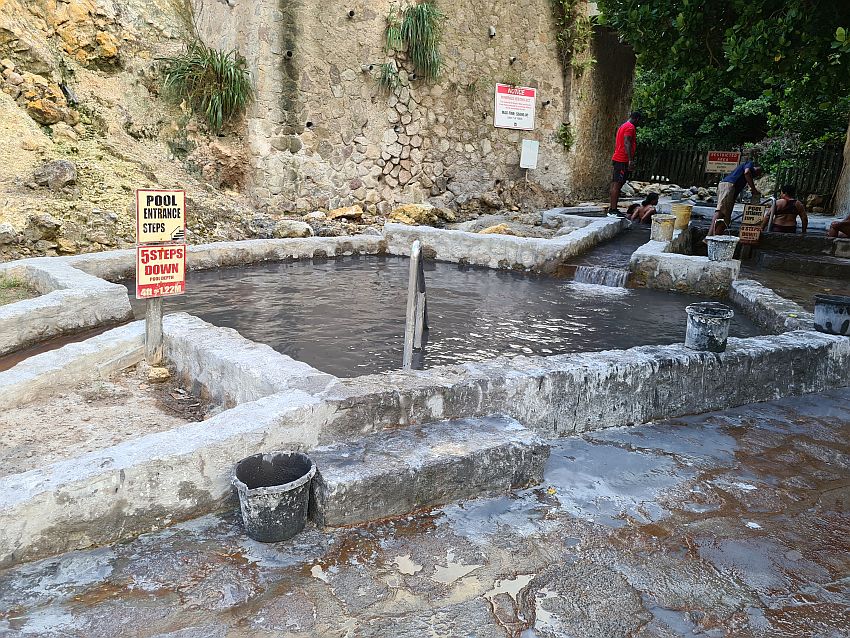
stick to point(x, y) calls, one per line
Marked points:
point(160, 258)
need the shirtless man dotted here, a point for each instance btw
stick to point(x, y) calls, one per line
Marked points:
point(840, 228)
point(785, 212)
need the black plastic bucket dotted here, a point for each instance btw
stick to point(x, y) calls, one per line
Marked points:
point(832, 314)
point(274, 493)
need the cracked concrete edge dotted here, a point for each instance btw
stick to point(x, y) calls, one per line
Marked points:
point(653, 265)
point(500, 251)
point(150, 482)
point(768, 309)
point(566, 394)
point(75, 363)
point(222, 364)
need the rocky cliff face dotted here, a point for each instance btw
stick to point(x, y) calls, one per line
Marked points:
point(83, 125)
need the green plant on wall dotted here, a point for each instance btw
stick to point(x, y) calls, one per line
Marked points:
point(216, 85)
point(565, 136)
point(388, 78)
point(418, 26)
point(574, 34)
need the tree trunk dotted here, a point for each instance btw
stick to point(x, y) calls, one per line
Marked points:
point(842, 190)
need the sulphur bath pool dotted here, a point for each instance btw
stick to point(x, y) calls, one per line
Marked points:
point(346, 316)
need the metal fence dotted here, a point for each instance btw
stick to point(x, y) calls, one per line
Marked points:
point(812, 173)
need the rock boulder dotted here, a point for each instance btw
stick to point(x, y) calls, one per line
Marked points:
point(56, 175)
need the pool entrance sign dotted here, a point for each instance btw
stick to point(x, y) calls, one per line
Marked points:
point(515, 107)
point(160, 216)
point(160, 258)
point(751, 223)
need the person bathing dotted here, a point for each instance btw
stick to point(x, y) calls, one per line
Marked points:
point(644, 211)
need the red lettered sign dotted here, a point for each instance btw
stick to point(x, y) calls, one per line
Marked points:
point(722, 161)
point(160, 271)
point(515, 107)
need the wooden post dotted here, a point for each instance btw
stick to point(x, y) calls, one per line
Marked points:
point(153, 332)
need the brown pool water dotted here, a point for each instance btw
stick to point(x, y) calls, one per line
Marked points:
point(346, 316)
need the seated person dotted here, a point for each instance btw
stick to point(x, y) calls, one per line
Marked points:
point(644, 211)
point(840, 228)
point(785, 212)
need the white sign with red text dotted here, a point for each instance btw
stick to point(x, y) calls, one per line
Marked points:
point(721, 161)
point(515, 107)
point(160, 271)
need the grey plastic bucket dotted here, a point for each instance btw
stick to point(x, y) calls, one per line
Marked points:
point(721, 247)
point(274, 494)
point(708, 326)
point(832, 314)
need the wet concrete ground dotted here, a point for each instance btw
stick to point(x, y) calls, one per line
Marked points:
point(726, 524)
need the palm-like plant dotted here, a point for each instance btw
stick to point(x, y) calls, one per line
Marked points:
point(215, 84)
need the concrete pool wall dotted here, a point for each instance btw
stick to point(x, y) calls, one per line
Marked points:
point(158, 479)
point(70, 301)
point(272, 401)
point(661, 265)
point(504, 251)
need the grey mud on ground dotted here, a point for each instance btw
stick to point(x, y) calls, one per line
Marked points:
point(731, 523)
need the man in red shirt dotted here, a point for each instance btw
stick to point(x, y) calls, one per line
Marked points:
point(624, 157)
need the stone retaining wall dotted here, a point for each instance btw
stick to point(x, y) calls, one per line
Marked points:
point(323, 133)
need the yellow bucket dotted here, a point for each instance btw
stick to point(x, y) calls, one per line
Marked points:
point(683, 215)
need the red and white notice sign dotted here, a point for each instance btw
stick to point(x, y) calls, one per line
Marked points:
point(515, 107)
point(722, 161)
point(160, 271)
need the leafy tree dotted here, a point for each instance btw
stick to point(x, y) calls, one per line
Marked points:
point(739, 71)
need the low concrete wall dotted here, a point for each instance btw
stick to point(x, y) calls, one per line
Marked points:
point(654, 266)
point(147, 483)
point(224, 365)
point(502, 251)
point(71, 301)
point(75, 363)
point(768, 309)
point(566, 394)
point(153, 481)
point(115, 265)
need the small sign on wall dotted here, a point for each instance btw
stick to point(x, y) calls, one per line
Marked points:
point(515, 107)
point(530, 150)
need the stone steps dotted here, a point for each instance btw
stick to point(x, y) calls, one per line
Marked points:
point(393, 473)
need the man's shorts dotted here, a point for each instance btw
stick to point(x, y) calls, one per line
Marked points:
point(621, 172)
point(726, 200)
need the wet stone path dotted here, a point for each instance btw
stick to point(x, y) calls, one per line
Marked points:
point(733, 523)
